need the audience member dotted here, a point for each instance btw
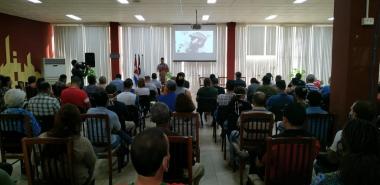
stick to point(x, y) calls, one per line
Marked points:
point(91, 88)
point(14, 101)
point(277, 103)
point(184, 103)
point(300, 95)
point(215, 84)
point(237, 105)
point(297, 80)
point(310, 83)
point(3, 89)
point(252, 88)
point(102, 82)
point(277, 78)
point(31, 89)
point(151, 86)
point(224, 99)
point(156, 82)
point(44, 104)
point(5, 178)
point(267, 88)
point(207, 91)
point(161, 116)
point(180, 89)
point(315, 99)
point(60, 85)
point(127, 97)
point(141, 90)
point(186, 83)
point(118, 83)
point(40, 80)
point(68, 123)
point(169, 97)
point(360, 163)
point(75, 95)
point(238, 81)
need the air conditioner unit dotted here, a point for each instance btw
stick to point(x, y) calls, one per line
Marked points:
point(53, 68)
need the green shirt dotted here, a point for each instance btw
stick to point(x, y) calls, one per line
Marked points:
point(5, 179)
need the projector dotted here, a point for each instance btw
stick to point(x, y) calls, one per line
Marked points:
point(196, 26)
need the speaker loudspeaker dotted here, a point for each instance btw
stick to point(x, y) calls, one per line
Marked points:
point(89, 59)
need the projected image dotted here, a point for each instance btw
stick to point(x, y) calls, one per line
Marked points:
point(194, 41)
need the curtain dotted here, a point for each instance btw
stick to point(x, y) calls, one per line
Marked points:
point(155, 42)
point(282, 49)
point(72, 41)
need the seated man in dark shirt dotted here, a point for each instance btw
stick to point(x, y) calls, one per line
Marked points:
point(215, 84)
point(239, 82)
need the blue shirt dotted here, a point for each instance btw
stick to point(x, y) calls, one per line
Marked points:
point(113, 120)
point(311, 87)
point(119, 84)
point(277, 103)
point(169, 100)
point(36, 129)
point(315, 110)
point(325, 91)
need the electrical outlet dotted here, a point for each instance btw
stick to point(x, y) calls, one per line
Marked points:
point(368, 21)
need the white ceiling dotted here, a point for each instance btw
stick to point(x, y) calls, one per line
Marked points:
point(172, 11)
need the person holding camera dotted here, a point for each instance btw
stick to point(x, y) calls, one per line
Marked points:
point(79, 70)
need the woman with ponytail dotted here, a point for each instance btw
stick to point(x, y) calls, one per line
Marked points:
point(360, 162)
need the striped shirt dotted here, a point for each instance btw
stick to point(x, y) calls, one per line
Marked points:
point(43, 105)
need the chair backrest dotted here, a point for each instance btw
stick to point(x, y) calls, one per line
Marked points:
point(255, 127)
point(320, 125)
point(48, 161)
point(96, 128)
point(289, 160)
point(46, 122)
point(186, 124)
point(10, 135)
point(181, 158)
point(206, 104)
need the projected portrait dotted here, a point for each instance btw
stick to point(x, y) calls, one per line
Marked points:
point(194, 41)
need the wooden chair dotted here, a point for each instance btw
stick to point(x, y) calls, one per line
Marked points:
point(96, 128)
point(288, 161)
point(222, 115)
point(255, 127)
point(48, 161)
point(187, 124)
point(10, 137)
point(206, 104)
point(181, 157)
point(46, 122)
point(320, 125)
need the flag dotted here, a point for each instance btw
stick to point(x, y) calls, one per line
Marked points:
point(136, 71)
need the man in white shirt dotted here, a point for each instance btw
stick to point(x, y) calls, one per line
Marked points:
point(127, 97)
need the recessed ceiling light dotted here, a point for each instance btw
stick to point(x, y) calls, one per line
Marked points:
point(140, 17)
point(299, 1)
point(71, 16)
point(123, 1)
point(205, 17)
point(35, 1)
point(331, 19)
point(211, 1)
point(270, 17)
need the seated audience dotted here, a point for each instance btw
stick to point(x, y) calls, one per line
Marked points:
point(102, 82)
point(75, 95)
point(3, 89)
point(31, 89)
point(14, 100)
point(68, 124)
point(297, 80)
point(180, 89)
point(60, 85)
point(141, 90)
point(360, 163)
point(277, 78)
point(186, 83)
point(150, 85)
point(224, 99)
point(277, 103)
point(156, 82)
point(5, 178)
point(91, 88)
point(267, 88)
point(169, 96)
point(184, 103)
point(315, 100)
point(118, 83)
point(215, 84)
point(238, 81)
point(237, 105)
point(161, 116)
point(127, 97)
point(43, 104)
point(252, 88)
point(300, 95)
point(310, 83)
point(207, 91)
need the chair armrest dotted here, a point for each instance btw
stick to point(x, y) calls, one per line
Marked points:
point(255, 179)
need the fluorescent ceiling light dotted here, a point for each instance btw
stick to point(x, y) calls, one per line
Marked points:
point(299, 1)
point(270, 17)
point(74, 17)
point(140, 17)
point(123, 1)
point(35, 1)
point(211, 1)
point(205, 17)
point(331, 19)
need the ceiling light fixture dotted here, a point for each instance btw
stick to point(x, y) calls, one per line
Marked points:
point(35, 1)
point(205, 17)
point(331, 19)
point(140, 17)
point(71, 16)
point(299, 1)
point(211, 1)
point(271, 17)
point(123, 1)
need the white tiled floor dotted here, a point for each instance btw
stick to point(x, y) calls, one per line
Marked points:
point(217, 171)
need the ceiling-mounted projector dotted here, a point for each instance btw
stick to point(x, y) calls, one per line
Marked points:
point(196, 26)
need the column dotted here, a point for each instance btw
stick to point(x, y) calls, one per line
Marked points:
point(115, 53)
point(231, 27)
